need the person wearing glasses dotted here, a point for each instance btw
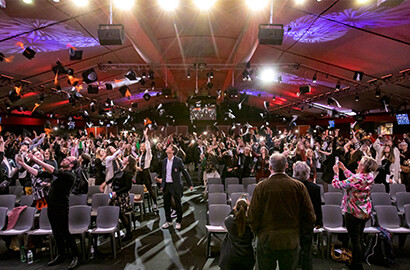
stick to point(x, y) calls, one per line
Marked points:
point(57, 202)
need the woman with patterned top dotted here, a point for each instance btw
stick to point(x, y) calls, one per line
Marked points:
point(356, 202)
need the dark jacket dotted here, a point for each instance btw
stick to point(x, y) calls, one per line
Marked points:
point(60, 187)
point(315, 197)
point(81, 183)
point(280, 211)
point(177, 168)
point(121, 182)
point(236, 251)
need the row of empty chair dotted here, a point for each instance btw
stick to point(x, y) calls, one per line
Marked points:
point(79, 219)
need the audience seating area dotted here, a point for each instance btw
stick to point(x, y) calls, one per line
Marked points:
point(89, 216)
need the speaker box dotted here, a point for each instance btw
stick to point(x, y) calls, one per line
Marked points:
point(92, 89)
point(111, 34)
point(270, 34)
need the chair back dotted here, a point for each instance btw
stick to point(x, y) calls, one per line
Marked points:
point(234, 188)
point(108, 216)
point(99, 199)
point(333, 198)
point(214, 181)
point(92, 190)
point(153, 175)
point(248, 181)
point(79, 217)
point(26, 219)
point(379, 198)
point(230, 181)
point(44, 222)
point(216, 188)
point(8, 200)
point(216, 198)
point(387, 216)
point(402, 198)
point(250, 188)
point(3, 215)
point(322, 192)
point(218, 213)
point(26, 200)
point(16, 190)
point(368, 223)
point(407, 214)
point(137, 189)
point(332, 216)
point(80, 199)
point(378, 188)
point(235, 196)
point(394, 188)
point(331, 188)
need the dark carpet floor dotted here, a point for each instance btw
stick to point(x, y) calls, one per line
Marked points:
point(155, 249)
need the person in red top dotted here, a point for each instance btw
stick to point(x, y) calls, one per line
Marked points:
point(356, 202)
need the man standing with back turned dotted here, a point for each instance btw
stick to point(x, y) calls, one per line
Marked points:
point(280, 211)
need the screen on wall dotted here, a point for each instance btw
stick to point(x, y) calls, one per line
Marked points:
point(332, 123)
point(402, 119)
point(202, 112)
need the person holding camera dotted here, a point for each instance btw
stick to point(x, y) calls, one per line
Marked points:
point(356, 203)
point(236, 248)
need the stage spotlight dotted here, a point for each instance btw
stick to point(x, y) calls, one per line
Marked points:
point(378, 92)
point(131, 75)
point(338, 85)
point(80, 3)
point(358, 75)
point(356, 97)
point(146, 96)
point(204, 4)
point(28, 1)
point(89, 76)
point(168, 5)
point(124, 4)
point(299, 2)
point(257, 4)
point(273, 98)
point(188, 74)
point(314, 78)
point(361, 2)
point(267, 75)
point(151, 74)
point(143, 74)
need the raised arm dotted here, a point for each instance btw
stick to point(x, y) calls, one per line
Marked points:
point(30, 169)
point(47, 167)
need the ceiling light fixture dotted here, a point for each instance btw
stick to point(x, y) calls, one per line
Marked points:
point(299, 2)
point(28, 1)
point(378, 92)
point(356, 97)
point(257, 4)
point(80, 3)
point(204, 4)
point(124, 4)
point(267, 75)
point(338, 85)
point(168, 5)
point(314, 79)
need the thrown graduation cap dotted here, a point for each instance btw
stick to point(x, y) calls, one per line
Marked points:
point(231, 115)
point(266, 105)
point(101, 122)
point(59, 68)
point(89, 124)
point(127, 119)
point(125, 91)
point(29, 53)
point(240, 104)
point(75, 54)
point(332, 100)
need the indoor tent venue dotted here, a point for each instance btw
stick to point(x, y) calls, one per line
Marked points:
point(204, 134)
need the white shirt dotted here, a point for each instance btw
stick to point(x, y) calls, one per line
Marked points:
point(168, 178)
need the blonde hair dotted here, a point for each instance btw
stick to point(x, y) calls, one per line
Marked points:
point(369, 164)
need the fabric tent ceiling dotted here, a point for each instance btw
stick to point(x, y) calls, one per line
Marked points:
point(330, 38)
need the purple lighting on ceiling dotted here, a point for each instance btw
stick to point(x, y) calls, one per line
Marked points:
point(49, 39)
point(306, 30)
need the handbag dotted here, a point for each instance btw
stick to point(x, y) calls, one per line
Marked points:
point(405, 169)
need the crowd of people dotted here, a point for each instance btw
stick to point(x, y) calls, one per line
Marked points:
point(51, 167)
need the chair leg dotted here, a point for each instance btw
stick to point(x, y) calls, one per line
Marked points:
point(82, 239)
point(119, 239)
point(208, 245)
point(114, 249)
point(50, 244)
point(142, 210)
